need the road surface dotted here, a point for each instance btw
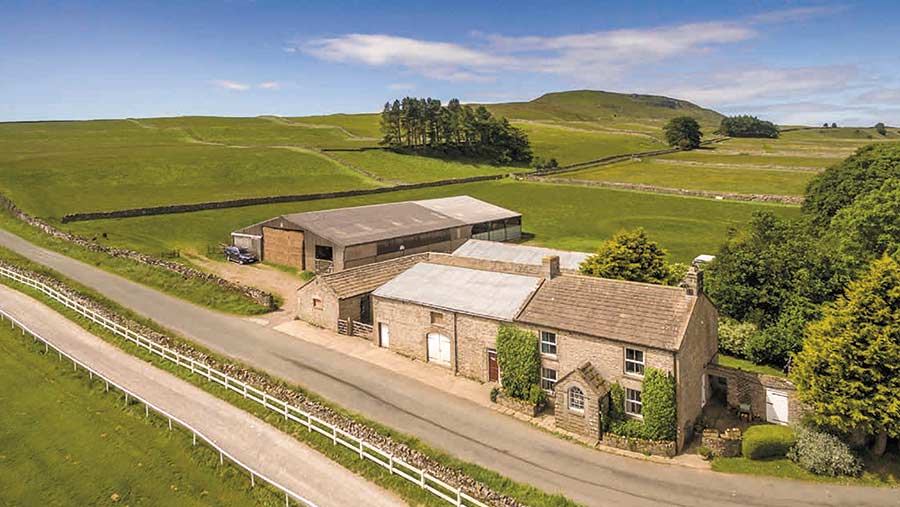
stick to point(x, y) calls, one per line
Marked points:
point(255, 443)
point(462, 428)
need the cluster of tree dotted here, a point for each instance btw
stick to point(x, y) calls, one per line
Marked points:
point(748, 126)
point(825, 125)
point(425, 125)
point(683, 132)
point(880, 128)
point(823, 291)
point(633, 256)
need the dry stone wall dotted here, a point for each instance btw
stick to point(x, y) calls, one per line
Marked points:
point(258, 296)
point(287, 394)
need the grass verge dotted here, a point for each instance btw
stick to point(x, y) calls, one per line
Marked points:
point(65, 441)
point(526, 494)
point(883, 472)
point(201, 292)
point(745, 365)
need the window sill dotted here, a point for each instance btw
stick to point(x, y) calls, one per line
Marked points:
point(639, 417)
point(633, 375)
point(576, 411)
point(552, 357)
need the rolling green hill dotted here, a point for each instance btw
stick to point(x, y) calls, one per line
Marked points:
point(594, 106)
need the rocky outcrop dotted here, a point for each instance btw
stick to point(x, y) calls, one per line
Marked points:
point(258, 296)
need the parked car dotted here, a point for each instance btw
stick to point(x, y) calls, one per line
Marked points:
point(239, 255)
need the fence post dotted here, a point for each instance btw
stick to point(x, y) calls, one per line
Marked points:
point(422, 482)
point(334, 435)
point(170, 424)
point(146, 410)
point(252, 480)
point(194, 442)
point(360, 449)
point(391, 463)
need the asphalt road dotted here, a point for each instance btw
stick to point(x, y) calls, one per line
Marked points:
point(260, 446)
point(460, 427)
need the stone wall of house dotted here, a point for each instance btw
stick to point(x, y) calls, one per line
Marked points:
point(326, 316)
point(283, 247)
point(256, 295)
point(409, 324)
point(698, 349)
point(586, 422)
point(474, 336)
point(749, 387)
point(282, 391)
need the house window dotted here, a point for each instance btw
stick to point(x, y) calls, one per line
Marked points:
point(548, 379)
point(632, 402)
point(576, 399)
point(548, 343)
point(437, 318)
point(634, 361)
point(317, 303)
point(324, 253)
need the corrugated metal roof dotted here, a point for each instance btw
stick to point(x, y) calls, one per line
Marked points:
point(519, 254)
point(365, 224)
point(483, 293)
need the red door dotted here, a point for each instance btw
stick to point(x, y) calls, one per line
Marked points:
point(493, 369)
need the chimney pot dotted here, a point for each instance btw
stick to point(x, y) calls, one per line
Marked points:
point(550, 267)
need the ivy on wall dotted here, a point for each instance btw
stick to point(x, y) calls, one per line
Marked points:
point(519, 359)
point(658, 409)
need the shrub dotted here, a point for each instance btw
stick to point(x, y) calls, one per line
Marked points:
point(824, 454)
point(748, 126)
point(519, 359)
point(495, 392)
point(767, 441)
point(616, 412)
point(631, 428)
point(536, 395)
point(705, 452)
point(733, 336)
point(658, 397)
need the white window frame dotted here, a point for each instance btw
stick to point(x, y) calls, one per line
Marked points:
point(631, 403)
point(549, 344)
point(548, 380)
point(639, 365)
point(571, 400)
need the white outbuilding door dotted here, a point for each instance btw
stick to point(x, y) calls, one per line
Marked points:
point(776, 406)
point(384, 335)
point(438, 348)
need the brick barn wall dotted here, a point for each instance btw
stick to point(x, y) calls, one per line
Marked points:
point(283, 247)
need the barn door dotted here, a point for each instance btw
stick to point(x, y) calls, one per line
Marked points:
point(776, 406)
point(438, 348)
point(493, 368)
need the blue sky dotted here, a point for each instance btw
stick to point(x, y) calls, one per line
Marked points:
point(789, 61)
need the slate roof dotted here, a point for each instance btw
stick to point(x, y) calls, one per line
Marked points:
point(639, 313)
point(591, 377)
point(475, 292)
point(519, 254)
point(365, 224)
point(364, 279)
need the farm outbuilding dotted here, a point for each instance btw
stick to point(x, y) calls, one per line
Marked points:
point(334, 240)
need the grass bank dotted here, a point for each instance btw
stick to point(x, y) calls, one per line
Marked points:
point(65, 441)
point(882, 472)
point(526, 494)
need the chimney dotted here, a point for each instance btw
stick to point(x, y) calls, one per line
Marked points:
point(693, 281)
point(550, 267)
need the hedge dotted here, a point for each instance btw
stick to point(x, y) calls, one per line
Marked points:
point(519, 358)
point(824, 454)
point(767, 441)
point(658, 399)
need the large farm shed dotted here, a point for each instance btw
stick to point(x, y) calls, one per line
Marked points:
point(338, 239)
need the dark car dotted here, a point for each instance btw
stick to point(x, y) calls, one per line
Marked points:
point(239, 255)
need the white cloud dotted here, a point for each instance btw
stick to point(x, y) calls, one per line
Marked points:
point(231, 85)
point(797, 14)
point(269, 85)
point(748, 85)
point(880, 96)
point(401, 86)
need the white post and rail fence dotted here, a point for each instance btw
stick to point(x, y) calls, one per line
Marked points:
point(451, 494)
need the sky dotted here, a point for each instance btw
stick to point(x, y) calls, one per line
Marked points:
point(792, 62)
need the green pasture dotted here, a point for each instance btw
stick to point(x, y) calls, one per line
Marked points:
point(717, 179)
point(359, 125)
point(714, 156)
point(64, 441)
point(569, 217)
point(417, 169)
point(570, 145)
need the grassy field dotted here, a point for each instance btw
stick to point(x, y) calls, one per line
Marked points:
point(50, 169)
point(415, 169)
point(736, 179)
point(360, 125)
point(64, 441)
point(562, 216)
point(569, 145)
point(883, 472)
point(712, 155)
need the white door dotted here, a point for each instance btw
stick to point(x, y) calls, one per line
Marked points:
point(776, 406)
point(438, 348)
point(384, 335)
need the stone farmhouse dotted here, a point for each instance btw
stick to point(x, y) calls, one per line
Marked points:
point(334, 240)
point(446, 309)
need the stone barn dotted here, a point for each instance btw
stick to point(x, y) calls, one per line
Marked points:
point(338, 239)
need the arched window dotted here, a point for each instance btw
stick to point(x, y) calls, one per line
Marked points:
point(576, 399)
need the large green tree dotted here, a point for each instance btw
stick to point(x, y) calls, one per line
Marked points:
point(838, 186)
point(870, 226)
point(848, 372)
point(629, 255)
point(748, 126)
point(683, 132)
